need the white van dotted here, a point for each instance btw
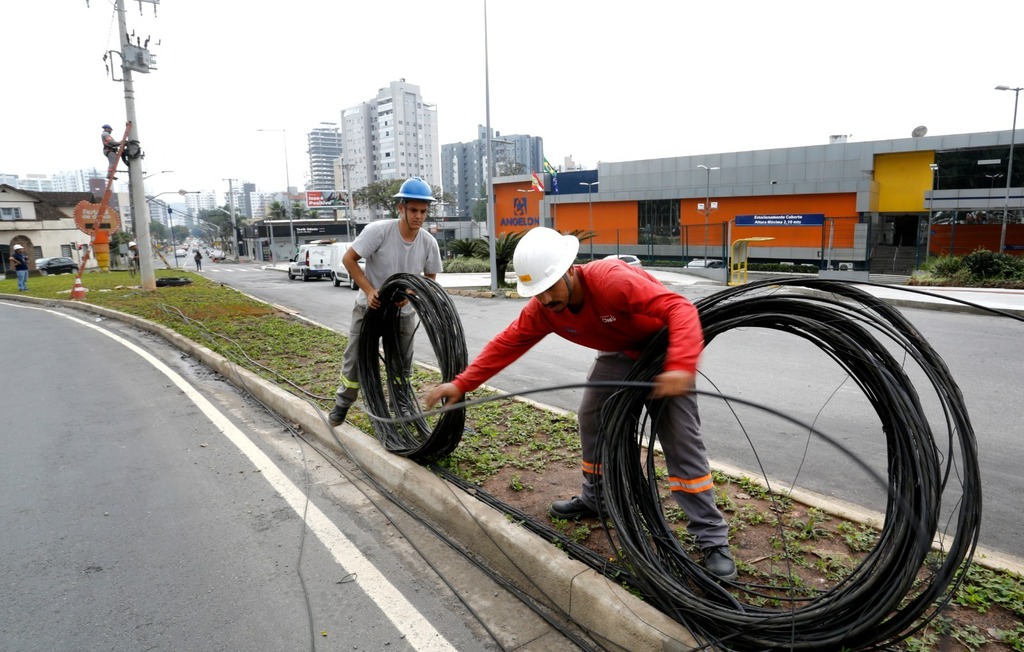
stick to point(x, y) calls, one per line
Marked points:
point(313, 261)
point(338, 272)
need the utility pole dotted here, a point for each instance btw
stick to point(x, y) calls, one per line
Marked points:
point(231, 205)
point(135, 57)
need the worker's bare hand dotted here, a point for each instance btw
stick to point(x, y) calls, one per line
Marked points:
point(672, 383)
point(372, 299)
point(447, 391)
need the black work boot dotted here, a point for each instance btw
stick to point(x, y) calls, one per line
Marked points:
point(336, 417)
point(573, 509)
point(718, 561)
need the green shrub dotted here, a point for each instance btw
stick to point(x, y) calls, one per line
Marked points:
point(946, 266)
point(462, 265)
point(986, 264)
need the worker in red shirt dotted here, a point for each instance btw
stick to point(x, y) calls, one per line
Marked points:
point(616, 309)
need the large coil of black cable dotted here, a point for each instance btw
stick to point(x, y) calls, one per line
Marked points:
point(404, 430)
point(894, 590)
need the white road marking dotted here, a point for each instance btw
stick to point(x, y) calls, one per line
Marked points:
point(402, 614)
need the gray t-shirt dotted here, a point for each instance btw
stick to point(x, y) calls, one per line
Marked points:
point(387, 253)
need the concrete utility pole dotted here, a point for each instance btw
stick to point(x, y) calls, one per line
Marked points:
point(234, 230)
point(138, 190)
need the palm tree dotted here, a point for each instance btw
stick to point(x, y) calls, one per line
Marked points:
point(504, 250)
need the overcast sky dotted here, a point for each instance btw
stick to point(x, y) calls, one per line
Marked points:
point(598, 80)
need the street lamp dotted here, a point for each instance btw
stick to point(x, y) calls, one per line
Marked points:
point(1009, 165)
point(590, 203)
point(156, 173)
point(931, 202)
point(707, 205)
point(170, 232)
point(287, 189)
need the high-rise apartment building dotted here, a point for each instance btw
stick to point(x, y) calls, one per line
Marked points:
point(464, 165)
point(324, 147)
point(392, 136)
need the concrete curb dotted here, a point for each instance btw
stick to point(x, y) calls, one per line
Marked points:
point(604, 609)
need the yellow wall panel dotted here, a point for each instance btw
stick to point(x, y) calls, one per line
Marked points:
point(902, 179)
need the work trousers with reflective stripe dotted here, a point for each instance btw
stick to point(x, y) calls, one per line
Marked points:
point(678, 430)
point(348, 391)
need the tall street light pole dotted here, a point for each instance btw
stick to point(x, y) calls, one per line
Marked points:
point(590, 207)
point(1009, 165)
point(234, 228)
point(492, 252)
point(707, 206)
point(287, 189)
point(931, 203)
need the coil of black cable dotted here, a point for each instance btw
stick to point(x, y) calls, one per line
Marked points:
point(393, 396)
point(894, 590)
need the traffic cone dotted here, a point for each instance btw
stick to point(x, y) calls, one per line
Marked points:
point(78, 292)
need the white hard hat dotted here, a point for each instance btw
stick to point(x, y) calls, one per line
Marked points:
point(542, 256)
point(131, 244)
point(17, 247)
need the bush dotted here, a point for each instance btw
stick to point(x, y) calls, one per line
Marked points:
point(462, 265)
point(945, 266)
point(984, 264)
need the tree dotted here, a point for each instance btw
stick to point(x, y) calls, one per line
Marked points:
point(469, 248)
point(504, 250)
point(157, 230)
point(277, 211)
point(179, 233)
point(380, 194)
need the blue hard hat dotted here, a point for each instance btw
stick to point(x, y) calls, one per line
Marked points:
point(415, 188)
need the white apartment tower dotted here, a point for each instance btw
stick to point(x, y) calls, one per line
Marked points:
point(324, 147)
point(393, 136)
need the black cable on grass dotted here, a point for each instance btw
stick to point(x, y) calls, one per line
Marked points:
point(881, 602)
point(410, 436)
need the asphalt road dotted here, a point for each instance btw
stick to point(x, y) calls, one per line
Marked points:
point(786, 374)
point(146, 504)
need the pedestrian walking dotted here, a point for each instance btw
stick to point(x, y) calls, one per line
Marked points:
point(616, 309)
point(199, 261)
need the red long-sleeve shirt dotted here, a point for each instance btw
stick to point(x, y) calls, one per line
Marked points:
point(623, 307)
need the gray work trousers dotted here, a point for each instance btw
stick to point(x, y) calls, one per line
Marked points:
point(678, 430)
point(348, 391)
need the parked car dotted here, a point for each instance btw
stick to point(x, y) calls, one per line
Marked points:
point(629, 259)
point(312, 261)
point(56, 265)
point(705, 263)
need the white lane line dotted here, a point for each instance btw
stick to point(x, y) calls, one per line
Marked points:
point(402, 614)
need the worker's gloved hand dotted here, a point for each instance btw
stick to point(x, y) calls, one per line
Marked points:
point(673, 383)
point(447, 391)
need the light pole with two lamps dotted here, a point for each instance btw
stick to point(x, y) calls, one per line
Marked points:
point(287, 189)
point(590, 206)
point(707, 205)
point(1009, 165)
point(170, 232)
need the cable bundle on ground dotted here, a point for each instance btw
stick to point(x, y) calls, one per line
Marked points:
point(406, 432)
point(882, 600)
